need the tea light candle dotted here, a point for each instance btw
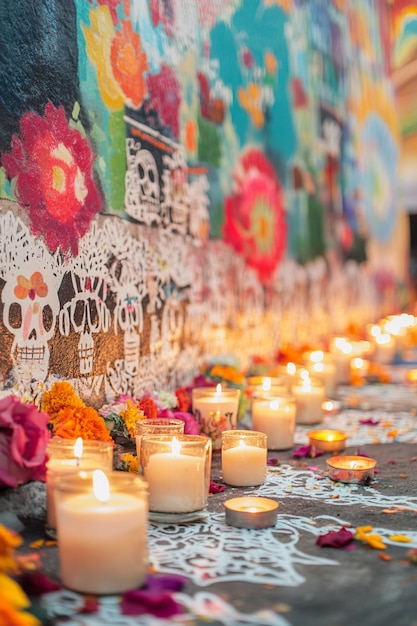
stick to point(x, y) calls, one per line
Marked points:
point(309, 395)
point(251, 512)
point(276, 418)
point(244, 456)
point(351, 469)
point(67, 456)
point(177, 471)
point(327, 440)
point(102, 528)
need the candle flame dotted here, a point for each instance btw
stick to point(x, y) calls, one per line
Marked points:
point(242, 444)
point(101, 486)
point(175, 446)
point(316, 356)
point(218, 389)
point(78, 448)
point(318, 366)
point(291, 369)
point(266, 384)
point(383, 338)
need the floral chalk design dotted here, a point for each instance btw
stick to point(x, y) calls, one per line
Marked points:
point(53, 166)
point(254, 215)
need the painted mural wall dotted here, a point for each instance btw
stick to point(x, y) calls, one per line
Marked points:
point(182, 178)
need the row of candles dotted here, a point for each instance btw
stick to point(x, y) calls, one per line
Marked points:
point(100, 515)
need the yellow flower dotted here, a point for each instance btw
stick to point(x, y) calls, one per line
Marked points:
point(130, 416)
point(9, 540)
point(132, 462)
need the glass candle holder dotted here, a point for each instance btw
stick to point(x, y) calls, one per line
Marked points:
point(215, 409)
point(275, 416)
point(266, 385)
point(66, 456)
point(156, 426)
point(102, 529)
point(177, 469)
point(244, 456)
point(309, 396)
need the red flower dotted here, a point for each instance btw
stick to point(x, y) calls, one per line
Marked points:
point(335, 539)
point(254, 215)
point(53, 164)
point(149, 407)
point(24, 435)
point(165, 97)
point(183, 399)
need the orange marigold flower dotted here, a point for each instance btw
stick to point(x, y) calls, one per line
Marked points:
point(82, 422)
point(183, 399)
point(11, 615)
point(9, 540)
point(227, 372)
point(149, 407)
point(61, 396)
point(130, 416)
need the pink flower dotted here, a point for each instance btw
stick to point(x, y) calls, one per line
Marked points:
point(24, 435)
point(191, 425)
point(336, 539)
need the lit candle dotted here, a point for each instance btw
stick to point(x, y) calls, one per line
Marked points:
point(309, 395)
point(156, 426)
point(384, 349)
point(102, 529)
point(177, 470)
point(327, 440)
point(244, 455)
point(351, 469)
point(342, 351)
point(216, 410)
point(276, 418)
point(251, 512)
point(265, 386)
point(67, 456)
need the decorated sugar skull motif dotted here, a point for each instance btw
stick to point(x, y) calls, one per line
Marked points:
point(31, 308)
point(176, 201)
point(86, 313)
point(142, 185)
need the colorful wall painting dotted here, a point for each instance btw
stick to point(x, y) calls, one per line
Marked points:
point(181, 178)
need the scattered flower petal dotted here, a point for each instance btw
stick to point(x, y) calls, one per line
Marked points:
point(273, 461)
point(216, 487)
point(306, 451)
point(35, 584)
point(159, 604)
point(412, 555)
point(335, 538)
point(369, 422)
point(400, 538)
point(384, 556)
point(165, 582)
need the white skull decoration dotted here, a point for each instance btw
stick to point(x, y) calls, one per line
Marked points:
point(31, 308)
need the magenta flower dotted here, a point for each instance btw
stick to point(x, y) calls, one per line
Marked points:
point(24, 435)
point(155, 597)
point(191, 426)
point(216, 487)
point(336, 539)
point(306, 451)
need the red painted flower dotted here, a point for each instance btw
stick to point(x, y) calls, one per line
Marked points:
point(165, 97)
point(254, 215)
point(53, 164)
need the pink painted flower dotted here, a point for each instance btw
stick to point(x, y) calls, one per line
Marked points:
point(254, 215)
point(24, 435)
point(53, 166)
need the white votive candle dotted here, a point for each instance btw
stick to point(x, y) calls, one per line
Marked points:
point(177, 471)
point(309, 396)
point(244, 456)
point(102, 534)
point(343, 353)
point(66, 456)
point(276, 418)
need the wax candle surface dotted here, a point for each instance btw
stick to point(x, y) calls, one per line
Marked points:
point(309, 403)
point(102, 546)
point(244, 465)
point(275, 418)
point(176, 482)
